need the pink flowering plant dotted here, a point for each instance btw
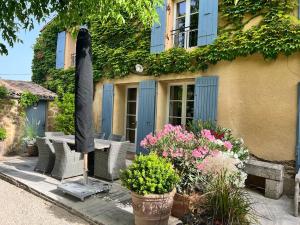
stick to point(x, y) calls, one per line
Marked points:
point(187, 152)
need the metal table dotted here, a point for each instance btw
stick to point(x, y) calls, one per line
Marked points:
point(70, 139)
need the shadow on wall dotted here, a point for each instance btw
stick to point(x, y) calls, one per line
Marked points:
point(12, 119)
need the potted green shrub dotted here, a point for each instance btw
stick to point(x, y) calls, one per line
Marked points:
point(151, 180)
point(2, 138)
point(29, 138)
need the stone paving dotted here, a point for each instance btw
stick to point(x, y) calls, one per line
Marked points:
point(115, 208)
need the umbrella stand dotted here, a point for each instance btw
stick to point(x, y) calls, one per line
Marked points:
point(85, 168)
point(84, 138)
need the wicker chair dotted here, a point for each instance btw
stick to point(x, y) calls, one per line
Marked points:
point(116, 137)
point(46, 155)
point(109, 162)
point(51, 134)
point(100, 135)
point(68, 163)
point(297, 193)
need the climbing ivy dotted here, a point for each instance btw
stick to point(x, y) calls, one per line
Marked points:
point(28, 99)
point(117, 49)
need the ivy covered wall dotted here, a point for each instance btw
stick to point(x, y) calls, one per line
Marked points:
point(117, 49)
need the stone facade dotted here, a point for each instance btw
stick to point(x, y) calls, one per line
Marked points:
point(12, 119)
point(51, 114)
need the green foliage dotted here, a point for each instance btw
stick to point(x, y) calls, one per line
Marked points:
point(28, 99)
point(30, 131)
point(61, 80)
point(44, 53)
point(117, 49)
point(150, 174)
point(226, 204)
point(3, 92)
point(22, 14)
point(2, 134)
point(64, 121)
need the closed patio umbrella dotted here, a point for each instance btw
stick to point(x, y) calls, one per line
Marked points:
point(84, 138)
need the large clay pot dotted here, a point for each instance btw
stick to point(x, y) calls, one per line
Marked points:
point(152, 209)
point(32, 149)
point(184, 204)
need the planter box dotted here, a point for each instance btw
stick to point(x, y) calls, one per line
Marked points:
point(152, 209)
point(184, 204)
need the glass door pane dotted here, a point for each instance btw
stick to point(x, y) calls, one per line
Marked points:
point(131, 114)
point(175, 104)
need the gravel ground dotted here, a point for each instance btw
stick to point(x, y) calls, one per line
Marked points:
point(18, 207)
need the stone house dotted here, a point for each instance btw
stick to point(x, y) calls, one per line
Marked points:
point(256, 98)
point(12, 117)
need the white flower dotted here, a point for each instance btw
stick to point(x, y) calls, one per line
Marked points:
point(235, 156)
point(219, 142)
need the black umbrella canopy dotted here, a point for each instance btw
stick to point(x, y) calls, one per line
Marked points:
point(84, 131)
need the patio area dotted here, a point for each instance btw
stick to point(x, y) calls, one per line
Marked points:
point(114, 208)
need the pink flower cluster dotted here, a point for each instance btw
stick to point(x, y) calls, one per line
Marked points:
point(200, 166)
point(207, 134)
point(200, 152)
point(173, 153)
point(176, 132)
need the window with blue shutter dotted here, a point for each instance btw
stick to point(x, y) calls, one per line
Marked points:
point(206, 98)
point(208, 22)
point(158, 31)
point(298, 131)
point(60, 50)
point(107, 109)
point(146, 112)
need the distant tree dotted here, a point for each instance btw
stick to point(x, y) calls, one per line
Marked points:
point(22, 14)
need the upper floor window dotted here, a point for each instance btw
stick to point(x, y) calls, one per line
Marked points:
point(185, 32)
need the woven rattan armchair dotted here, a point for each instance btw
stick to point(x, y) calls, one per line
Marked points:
point(109, 162)
point(68, 163)
point(46, 155)
point(116, 137)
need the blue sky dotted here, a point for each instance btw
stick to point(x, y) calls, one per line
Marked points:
point(17, 64)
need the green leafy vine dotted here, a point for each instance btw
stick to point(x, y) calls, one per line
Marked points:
point(117, 49)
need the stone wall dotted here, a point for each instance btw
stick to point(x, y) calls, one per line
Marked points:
point(12, 119)
point(51, 114)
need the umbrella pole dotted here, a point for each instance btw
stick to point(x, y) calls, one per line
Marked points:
point(85, 168)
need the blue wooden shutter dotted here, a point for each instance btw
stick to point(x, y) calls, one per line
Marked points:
point(146, 112)
point(298, 9)
point(206, 98)
point(298, 132)
point(158, 31)
point(107, 108)
point(60, 50)
point(208, 22)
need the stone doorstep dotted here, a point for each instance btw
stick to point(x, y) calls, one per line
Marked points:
point(266, 170)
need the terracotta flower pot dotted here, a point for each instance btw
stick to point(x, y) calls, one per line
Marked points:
point(32, 149)
point(184, 204)
point(152, 209)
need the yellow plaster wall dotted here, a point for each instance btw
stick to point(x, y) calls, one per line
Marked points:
point(119, 109)
point(257, 100)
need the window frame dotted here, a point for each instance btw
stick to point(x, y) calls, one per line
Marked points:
point(184, 100)
point(125, 113)
point(187, 22)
